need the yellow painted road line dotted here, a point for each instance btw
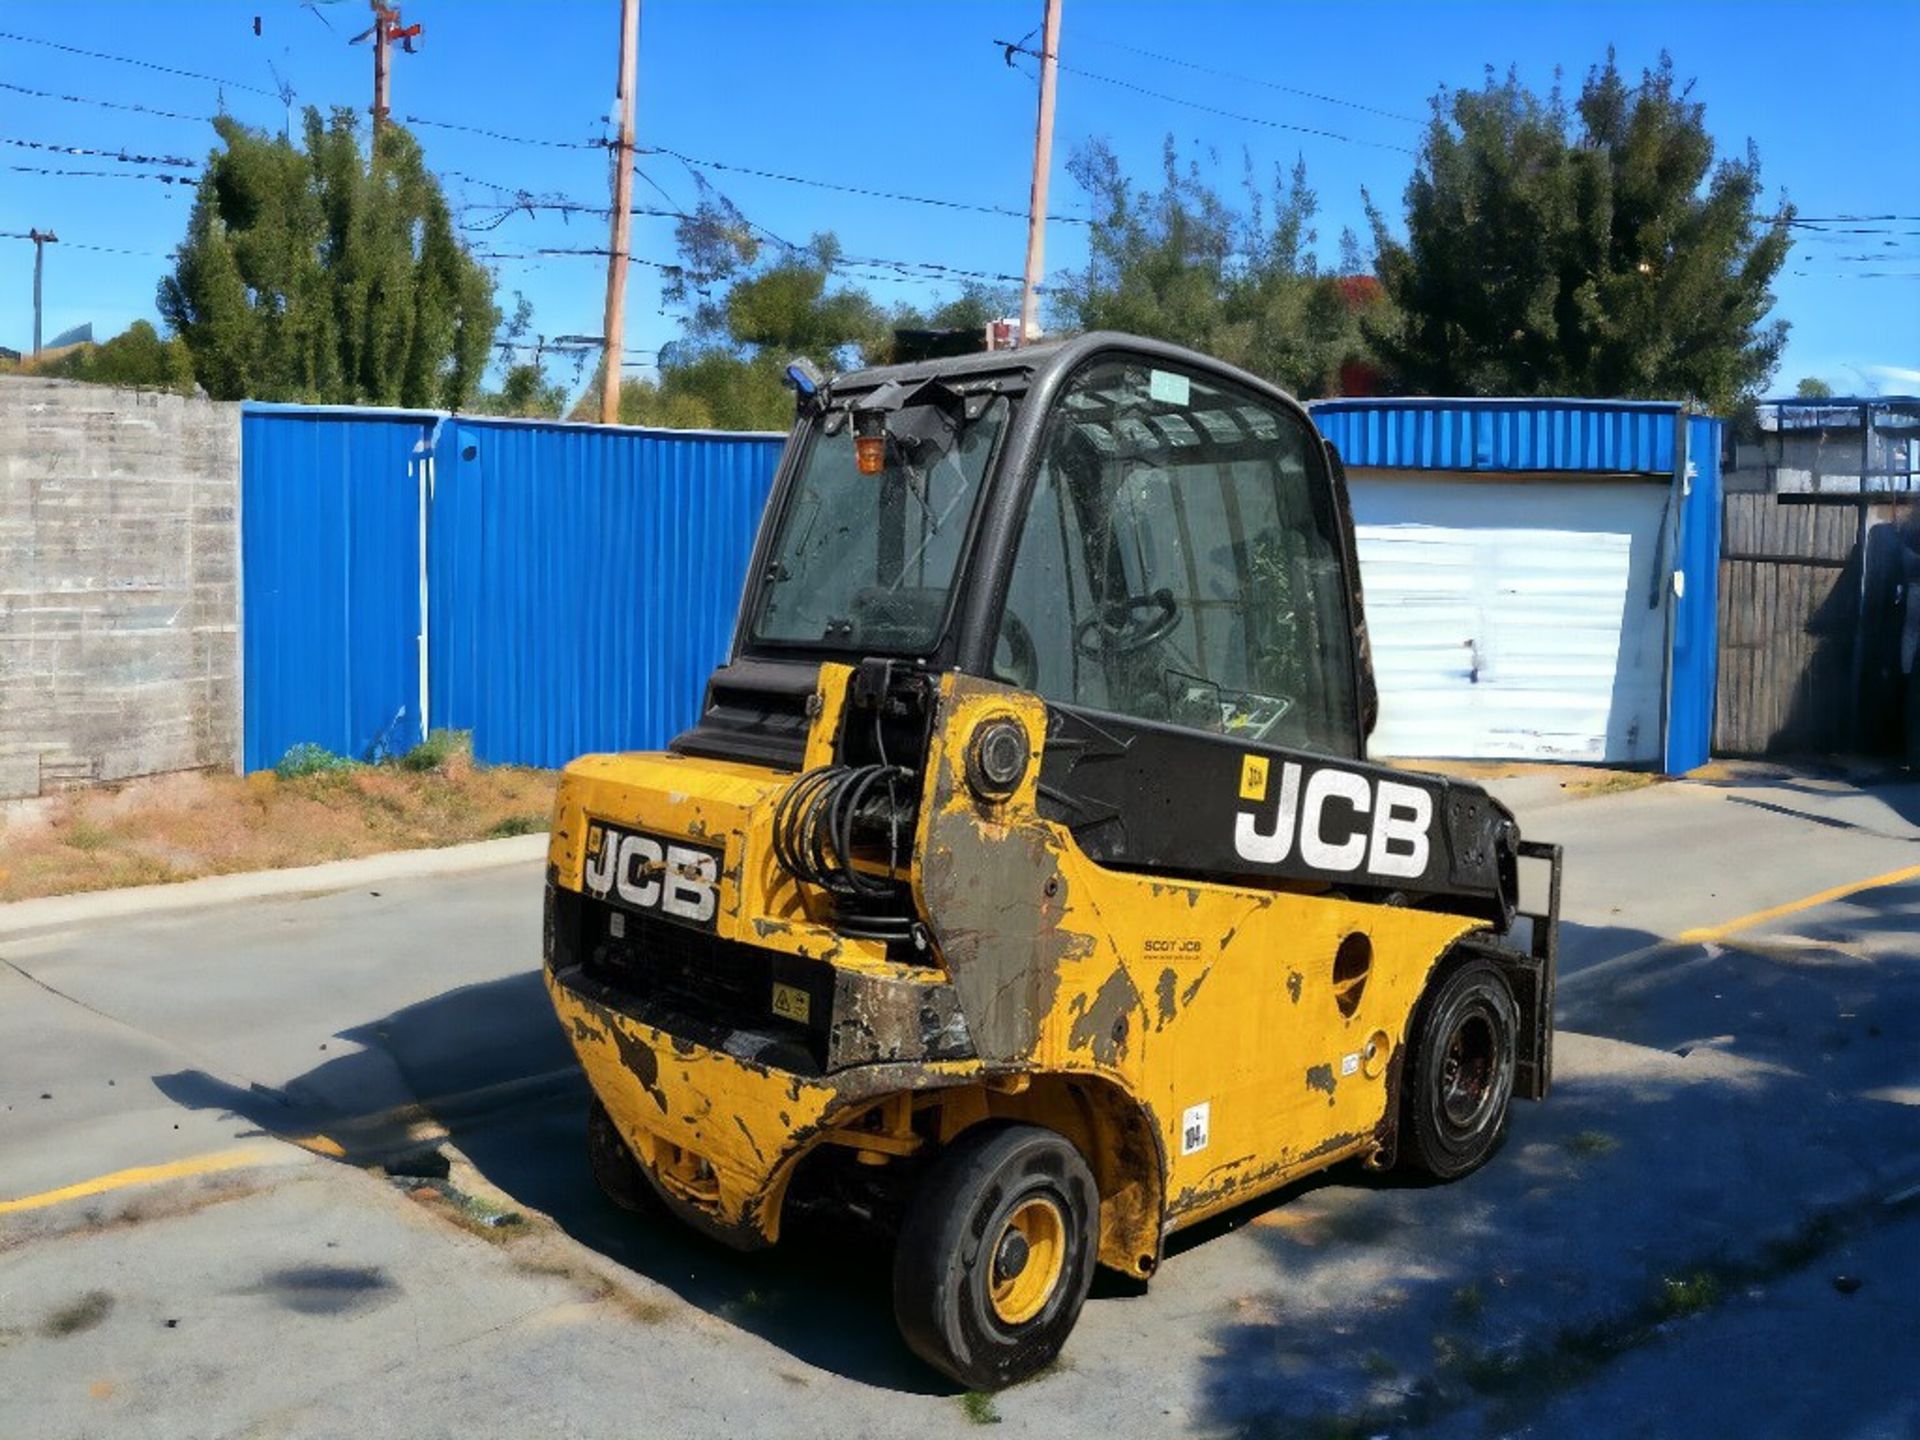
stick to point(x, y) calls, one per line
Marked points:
point(207, 1164)
point(1806, 902)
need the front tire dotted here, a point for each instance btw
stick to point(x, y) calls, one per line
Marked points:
point(615, 1169)
point(1457, 1086)
point(996, 1254)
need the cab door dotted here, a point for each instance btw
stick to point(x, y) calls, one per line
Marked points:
point(1179, 600)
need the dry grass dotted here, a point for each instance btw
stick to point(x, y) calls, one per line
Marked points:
point(1582, 782)
point(182, 826)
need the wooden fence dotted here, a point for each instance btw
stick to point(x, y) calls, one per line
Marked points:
point(1790, 618)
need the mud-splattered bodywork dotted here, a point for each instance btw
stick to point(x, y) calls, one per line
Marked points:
point(1190, 1037)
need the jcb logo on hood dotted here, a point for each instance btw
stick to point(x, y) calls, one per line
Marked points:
point(1385, 830)
point(646, 872)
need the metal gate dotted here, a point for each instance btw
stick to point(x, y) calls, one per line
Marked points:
point(1790, 612)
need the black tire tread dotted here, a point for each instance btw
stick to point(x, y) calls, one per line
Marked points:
point(1421, 1149)
point(929, 1280)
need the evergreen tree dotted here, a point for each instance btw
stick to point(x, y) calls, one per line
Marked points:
point(1238, 280)
point(309, 273)
point(1598, 251)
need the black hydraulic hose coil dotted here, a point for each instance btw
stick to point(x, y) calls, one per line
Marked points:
point(813, 826)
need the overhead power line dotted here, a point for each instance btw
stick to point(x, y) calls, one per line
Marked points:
point(176, 161)
point(105, 104)
point(903, 269)
point(1852, 219)
point(1256, 80)
point(1012, 48)
point(846, 189)
point(142, 64)
point(165, 177)
point(502, 135)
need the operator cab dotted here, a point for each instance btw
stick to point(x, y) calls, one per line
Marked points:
point(1154, 543)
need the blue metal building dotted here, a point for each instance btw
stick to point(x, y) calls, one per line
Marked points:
point(1542, 575)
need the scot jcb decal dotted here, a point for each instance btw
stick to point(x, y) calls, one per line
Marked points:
point(672, 878)
point(1335, 820)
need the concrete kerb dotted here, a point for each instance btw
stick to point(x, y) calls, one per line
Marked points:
point(26, 917)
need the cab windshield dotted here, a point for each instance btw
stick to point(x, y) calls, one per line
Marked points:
point(865, 563)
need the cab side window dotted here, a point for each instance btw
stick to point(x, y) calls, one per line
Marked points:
point(1180, 562)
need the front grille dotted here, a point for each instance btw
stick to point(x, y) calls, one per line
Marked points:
point(693, 985)
point(660, 960)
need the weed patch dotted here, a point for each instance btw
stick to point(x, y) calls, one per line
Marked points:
point(306, 759)
point(1592, 1142)
point(87, 838)
point(1689, 1294)
point(434, 752)
point(518, 825)
point(978, 1407)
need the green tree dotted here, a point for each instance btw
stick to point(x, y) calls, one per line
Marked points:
point(525, 389)
point(1597, 251)
point(313, 273)
point(1239, 279)
point(1812, 387)
point(751, 304)
point(137, 357)
point(973, 309)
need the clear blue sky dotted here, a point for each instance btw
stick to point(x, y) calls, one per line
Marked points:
point(915, 97)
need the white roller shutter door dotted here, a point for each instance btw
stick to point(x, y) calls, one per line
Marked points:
point(1514, 619)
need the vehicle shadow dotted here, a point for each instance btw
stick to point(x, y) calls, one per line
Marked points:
point(489, 1065)
point(1365, 1291)
point(1722, 1117)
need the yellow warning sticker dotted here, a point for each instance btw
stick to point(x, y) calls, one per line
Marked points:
point(790, 1002)
point(1253, 777)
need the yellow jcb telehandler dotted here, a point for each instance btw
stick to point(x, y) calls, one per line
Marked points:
point(1023, 886)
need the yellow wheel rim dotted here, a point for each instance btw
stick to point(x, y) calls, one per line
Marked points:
point(1028, 1257)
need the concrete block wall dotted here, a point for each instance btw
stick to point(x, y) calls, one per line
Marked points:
point(119, 584)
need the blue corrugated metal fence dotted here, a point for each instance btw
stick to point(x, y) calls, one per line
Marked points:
point(330, 547)
point(584, 581)
point(580, 582)
point(1695, 659)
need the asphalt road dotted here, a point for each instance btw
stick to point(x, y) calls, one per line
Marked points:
point(1709, 1229)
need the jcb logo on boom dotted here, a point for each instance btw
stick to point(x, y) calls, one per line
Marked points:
point(1386, 830)
point(645, 872)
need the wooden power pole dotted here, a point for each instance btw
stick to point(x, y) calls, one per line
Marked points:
point(382, 73)
point(41, 239)
point(614, 331)
point(1042, 163)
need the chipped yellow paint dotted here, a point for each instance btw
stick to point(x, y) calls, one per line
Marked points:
point(1115, 1007)
point(723, 1132)
point(1254, 1033)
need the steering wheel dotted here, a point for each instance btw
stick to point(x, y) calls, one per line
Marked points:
point(1128, 624)
point(1021, 669)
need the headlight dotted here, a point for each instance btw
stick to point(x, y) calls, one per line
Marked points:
point(997, 757)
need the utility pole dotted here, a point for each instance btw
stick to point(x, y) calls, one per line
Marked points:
point(386, 29)
point(613, 332)
point(41, 239)
point(1042, 163)
point(381, 73)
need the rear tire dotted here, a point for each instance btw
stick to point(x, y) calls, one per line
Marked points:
point(1456, 1087)
point(615, 1169)
point(996, 1254)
